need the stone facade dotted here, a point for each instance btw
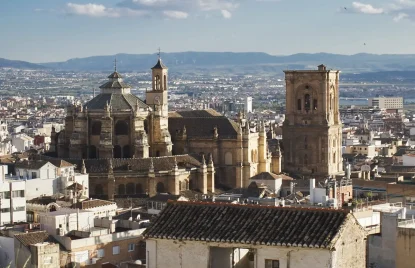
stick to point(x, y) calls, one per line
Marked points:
point(312, 130)
point(118, 125)
point(239, 151)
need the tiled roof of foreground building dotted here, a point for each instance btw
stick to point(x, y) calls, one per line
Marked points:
point(249, 224)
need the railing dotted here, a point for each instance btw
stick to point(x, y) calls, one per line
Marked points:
point(407, 222)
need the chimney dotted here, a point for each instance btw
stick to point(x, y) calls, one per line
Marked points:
point(321, 67)
point(312, 187)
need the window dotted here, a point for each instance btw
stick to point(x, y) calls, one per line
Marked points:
point(131, 247)
point(17, 209)
point(117, 151)
point(34, 175)
point(272, 264)
point(121, 128)
point(315, 104)
point(18, 193)
point(115, 250)
point(307, 102)
point(4, 210)
point(47, 260)
point(96, 128)
point(100, 253)
point(299, 104)
point(121, 189)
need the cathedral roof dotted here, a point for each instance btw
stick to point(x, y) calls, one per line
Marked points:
point(165, 163)
point(117, 101)
point(115, 75)
point(201, 123)
point(115, 84)
point(159, 65)
point(196, 113)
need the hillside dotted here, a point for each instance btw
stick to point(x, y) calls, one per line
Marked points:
point(4, 63)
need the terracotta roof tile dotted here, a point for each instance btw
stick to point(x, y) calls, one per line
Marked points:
point(248, 224)
point(28, 239)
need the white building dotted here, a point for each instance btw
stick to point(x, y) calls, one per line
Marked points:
point(387, 102)
point(13, 201)
point(271, 180)
point(63, 221)
point(4, 133)
point(44, 178)
point(248, 105)
point(408, 160)
point(22, 142)
point(187, 234)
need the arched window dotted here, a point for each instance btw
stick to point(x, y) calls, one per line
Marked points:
point(157, 82)
point(121, 128)
point(96, 128)
point(228, 159)
point(331, 101)
point(92, 152)
point(126, 151)
point(117, 151)
point(160, 187)
point(121, 189)
point(52, 208)
point(334, 143)
point(99, 190)
point(315, 104)
point(165, 82)
point(138, 188)
point(130, 188)
point(334, 158)
point(307, 102)
point(299, 104)
point(253, 185)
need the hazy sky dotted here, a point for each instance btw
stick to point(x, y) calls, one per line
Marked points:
point(56, 30)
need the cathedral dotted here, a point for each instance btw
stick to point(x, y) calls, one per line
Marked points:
point(132, 147)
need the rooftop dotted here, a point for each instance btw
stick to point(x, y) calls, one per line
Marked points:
point(249, 224)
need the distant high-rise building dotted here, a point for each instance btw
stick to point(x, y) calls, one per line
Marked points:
point(387, 102)
point(248, 105)
point(312, 130)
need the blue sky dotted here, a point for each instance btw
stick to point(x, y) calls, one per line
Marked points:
point(57, 30)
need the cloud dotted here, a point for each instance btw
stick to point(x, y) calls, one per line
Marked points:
point(171, 9)
point(194, 7)
point(366, 8)
point(226, 14)
point(400, 17)
point(96, 10)
point(174, 14)
point(397, 9)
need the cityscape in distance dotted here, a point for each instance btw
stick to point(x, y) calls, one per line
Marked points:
point(281, 135)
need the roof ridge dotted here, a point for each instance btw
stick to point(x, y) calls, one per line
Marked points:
point(200, 203)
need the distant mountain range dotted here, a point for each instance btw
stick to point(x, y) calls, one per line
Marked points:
point(234, 62)
point(4, 63)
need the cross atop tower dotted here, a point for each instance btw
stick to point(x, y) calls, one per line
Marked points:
point(159, 53)
point(115, 64)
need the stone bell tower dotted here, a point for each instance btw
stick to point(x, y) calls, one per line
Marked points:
point(156, 98)
point(312, 131)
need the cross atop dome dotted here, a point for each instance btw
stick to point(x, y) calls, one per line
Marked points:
point(159, 64)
